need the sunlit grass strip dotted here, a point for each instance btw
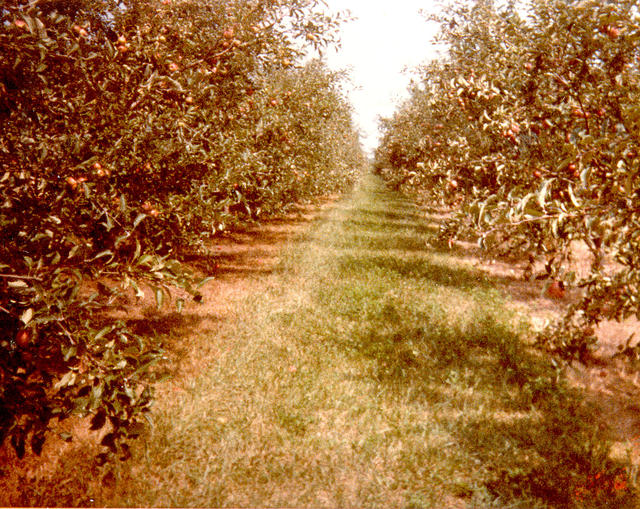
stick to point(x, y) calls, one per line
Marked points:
point(375, 375)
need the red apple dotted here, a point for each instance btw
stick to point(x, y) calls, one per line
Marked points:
point(23, 338)
point(613, 32)
point(556, 290)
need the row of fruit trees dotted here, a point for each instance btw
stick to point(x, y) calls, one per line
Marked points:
point(131, 132)
point(529, 125)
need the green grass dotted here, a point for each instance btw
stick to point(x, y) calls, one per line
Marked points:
point(373, 372)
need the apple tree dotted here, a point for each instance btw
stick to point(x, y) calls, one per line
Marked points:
point(131, 132)
point(529, 125)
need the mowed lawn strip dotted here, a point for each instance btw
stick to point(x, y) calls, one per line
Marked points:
point(373, 372)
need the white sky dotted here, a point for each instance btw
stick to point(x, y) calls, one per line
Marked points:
point(386, 37)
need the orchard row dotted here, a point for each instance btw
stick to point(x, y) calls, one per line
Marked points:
point(133, 131)
point(530, 127)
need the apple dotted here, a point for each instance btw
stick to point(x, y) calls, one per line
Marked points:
point(23, 338)
point(537, 174)
point(73, 183)
point(229, 33)
point(510, 135)
point(173, 67)
point(556, 290)
point(453, 184)
point(20, 23)
point(573, 169)
point(613, 32)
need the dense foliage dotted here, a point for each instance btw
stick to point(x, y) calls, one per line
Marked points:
point(131, 132)
point(530, 125)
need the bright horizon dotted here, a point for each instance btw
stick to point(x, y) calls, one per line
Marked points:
point(385, 39)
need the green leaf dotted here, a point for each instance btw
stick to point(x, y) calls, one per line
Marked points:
point(574, 200)
point(27, 316)
point(159, 297)
point(17, 284)
point(138, 219)
point(103, 332)
point(102, 254)
point(146, 260)
point(204, 282)
point(543, 192)
point(67, 437)
point(138, 250)
point(69, 352)
point(139, 292)
point(68, 379)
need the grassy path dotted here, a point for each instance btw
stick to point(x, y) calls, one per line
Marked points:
point(372, 371)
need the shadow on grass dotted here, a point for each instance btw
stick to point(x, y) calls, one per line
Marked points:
point(413, 267)
point(409, 214)
point(406, 243)
point(533, 438)
point(162, 324)
point(391, 226)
